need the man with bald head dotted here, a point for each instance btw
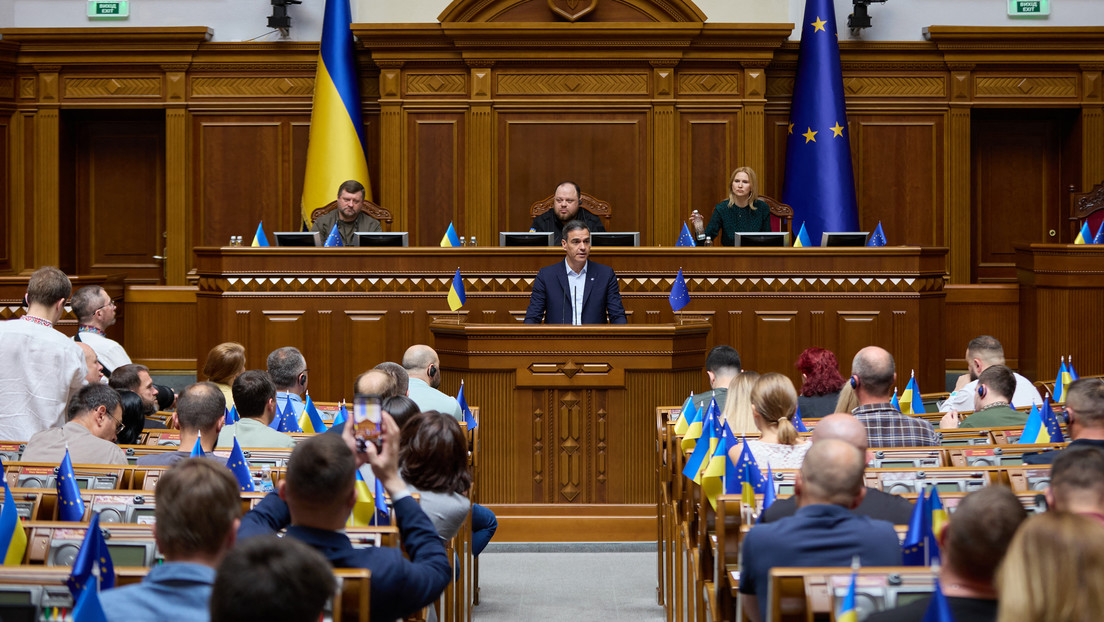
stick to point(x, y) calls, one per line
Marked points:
point(92, 364)
point(876, 504)
point(873, 377)
point(424, 368)
point(823, 532)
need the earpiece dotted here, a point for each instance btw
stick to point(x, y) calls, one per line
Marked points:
point(982, 390)
point(432, 370)
point(303, 378)
point(854, 382)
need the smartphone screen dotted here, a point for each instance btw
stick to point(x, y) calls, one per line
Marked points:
point(367, 417)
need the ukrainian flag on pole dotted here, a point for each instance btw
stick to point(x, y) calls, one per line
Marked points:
point(456, 295)
point(335, 151)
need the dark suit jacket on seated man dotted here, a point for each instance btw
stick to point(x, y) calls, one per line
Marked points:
point(577, 291)
point(565, 208)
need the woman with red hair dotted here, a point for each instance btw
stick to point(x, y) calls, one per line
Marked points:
point(820, 382)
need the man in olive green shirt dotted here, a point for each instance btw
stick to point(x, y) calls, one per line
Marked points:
point(347, 215)
point(995, 388)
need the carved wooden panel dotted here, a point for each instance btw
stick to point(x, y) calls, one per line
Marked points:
point(251, 86)
point(436, 84)
point(712, 83)
point(776, 338)
point(435, 168)
point(573, 83)
point(356, 326)
point(156, 333)
point(856, 330)
point(1035, 86)
point(895, 86)
point(7, 87)
point(991, 309)
point(274, 328)
point(107, 87)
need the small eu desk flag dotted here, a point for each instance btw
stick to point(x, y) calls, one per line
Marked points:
point(70, 504)
point(334, 239)
point(240, 468)
point(680, 296)
point(450, 238)
point(819, 183)
point(877, 238)
point(684, 238)
point(259, 238)
point(93, 552)
point(456, 295)
point(1099, 239)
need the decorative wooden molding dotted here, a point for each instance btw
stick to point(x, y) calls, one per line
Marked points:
point(242, 86)
point(96, 87)
point(1039, 86)
point(711, 83)
point(572, 83)
point(571, 10)
point(436, 84)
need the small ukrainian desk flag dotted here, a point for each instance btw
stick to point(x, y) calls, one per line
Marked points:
point(450, 238)
point(1084, 235)
point(13, 539)
point(802, 240)
point(456, 295)
point(259, 238)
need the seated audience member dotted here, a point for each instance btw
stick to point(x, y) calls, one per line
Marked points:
point(136, 378)
point(991, 410)
point(773, 401)
point(316, 498)
point(398, 372)
point(40, 368)
point(225, 362)
point(288, 370)
point(255, 399)
point(1084, 419)
point(376, 382)
point(847, 401)
point(722, 366)
point(1052, 570)
point(1077, 482)
point(823, 532)
point(737, 404)
point(434, 458)
point(94, 418)
point(982, 352)
point(565, 208)
point(424, 367)
point(92, 364)
point(134, 418)
point(820, 383)
point(401, 408)
point(875, 504)
point(270, 578)
point(347, 215)
point(198, 511)
point(95, 311)
point(200, 413)
point(971, 545)
point(872, 378)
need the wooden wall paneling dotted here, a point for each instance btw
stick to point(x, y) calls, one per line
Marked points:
point(46, 247)
point(298, 137)
point(6, 204)
point(436, 170)
point(708, 149)
point(159, 332)
point(23, 175)
point(369, 330)
point(984, 309)
point(902, 198)
point(178, 198)
point(277, 326)
point(855, 330)
point(776, 338)
point(233, 154)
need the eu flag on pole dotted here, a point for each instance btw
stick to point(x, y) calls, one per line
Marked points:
point(469, 418)
point(93, 552)
point(918, 538)
point(334, 239)
point(450, 239)
point(680, 296)
point(88, 607)
point(456, 295)
point(70, 504)
point(287, 420)
point(769, 494)
point(335, 149)
point(232, 416)
point(877, 238)
point(240, 468)
point(1099, 239)
point(820, 184)
point(684, 238)
point(259, 238)
point(798, 422)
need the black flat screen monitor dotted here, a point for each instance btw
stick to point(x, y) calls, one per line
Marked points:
point(298, 238)
point(843, 238)
point(382, 238)
point(524, 238)
point(615, 238)
point(763, 239)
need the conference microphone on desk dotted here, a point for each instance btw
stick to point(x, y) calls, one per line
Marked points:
point(575, 296)
point(563, 312)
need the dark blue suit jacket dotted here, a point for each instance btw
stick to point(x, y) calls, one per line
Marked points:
point(550, 302)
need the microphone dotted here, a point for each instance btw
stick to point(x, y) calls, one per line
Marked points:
point(563, 311)
point(576, 294)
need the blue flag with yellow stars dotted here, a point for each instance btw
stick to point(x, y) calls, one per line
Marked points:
point(93, 551)
point(88, 607)
point(820, 184)
point(240, 468)
point(877, 238)
point(680, 296)
point(334, 239)
point(70, 504)
point(232, 416)
point(684, 238)
point(939, 610)
point(798, 422)
point(918, 538)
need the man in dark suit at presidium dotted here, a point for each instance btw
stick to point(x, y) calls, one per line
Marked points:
point(577, 291)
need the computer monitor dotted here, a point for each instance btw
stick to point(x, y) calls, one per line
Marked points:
point(615, 238)
point(298, 238)
point(524, 238)
point(382, 238)
point(843, 238)
point(763, 239)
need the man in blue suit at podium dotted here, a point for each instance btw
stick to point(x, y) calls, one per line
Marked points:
point(577, 291)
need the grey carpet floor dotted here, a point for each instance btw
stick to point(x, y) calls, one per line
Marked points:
point(536, 584)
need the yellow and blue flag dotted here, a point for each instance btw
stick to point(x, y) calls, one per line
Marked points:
point(335, 150)
point(684, 238)
point(364, 511)
point(704, 445)
point(342, 415)
point(1032, 427)
point(694, 426)
point(469, 418)
point(939, 610)
point(450, 238)
point(13, 539)
point(798, 422)
point(70, 504)
point(689, 411)
point(938, 517)
point(911, 403)
point(712, 475)
point(93, 552)
point(732, 478)
point(197, 449)
point(232, 416)
point(311, 420)
point(877, 238)
point(333, 240)
point(1069, 363)
point(456, 294)
point(259, 238)
point(919, 547)
point(1084, 235)
point(89, 608)
point(1060, 382)
point(802, 239)
point(240, 468)
point(820, 184)
point(680, 296)
point(1051, 427)
point(847, 611)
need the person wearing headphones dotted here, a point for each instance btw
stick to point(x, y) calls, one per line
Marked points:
point(288, 370)
point(422, 364)
point(995, 387)
point(873, 375)
point(1084, 419)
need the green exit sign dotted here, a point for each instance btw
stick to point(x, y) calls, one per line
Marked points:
point(1028, 8)
point(108, 9)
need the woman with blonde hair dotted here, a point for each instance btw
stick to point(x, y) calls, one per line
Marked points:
point(847, 401)
point(737, 406)
point(742, 211)
point(773, 402)
point(1052, 571)
point(225, 362)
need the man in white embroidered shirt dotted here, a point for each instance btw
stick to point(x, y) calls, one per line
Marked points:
point(39, 366)
point(95, 312)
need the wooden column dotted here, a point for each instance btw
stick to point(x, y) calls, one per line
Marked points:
point(46, 175)
point(753, 134)
point(958, 176)
point(481, 174)
point(392, 195)
point(664, 218)
point(176, 177)
point(1092, 126)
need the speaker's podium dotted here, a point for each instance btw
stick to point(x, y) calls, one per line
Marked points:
point(567, 420)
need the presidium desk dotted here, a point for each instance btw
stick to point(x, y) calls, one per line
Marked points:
point(567, 414)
